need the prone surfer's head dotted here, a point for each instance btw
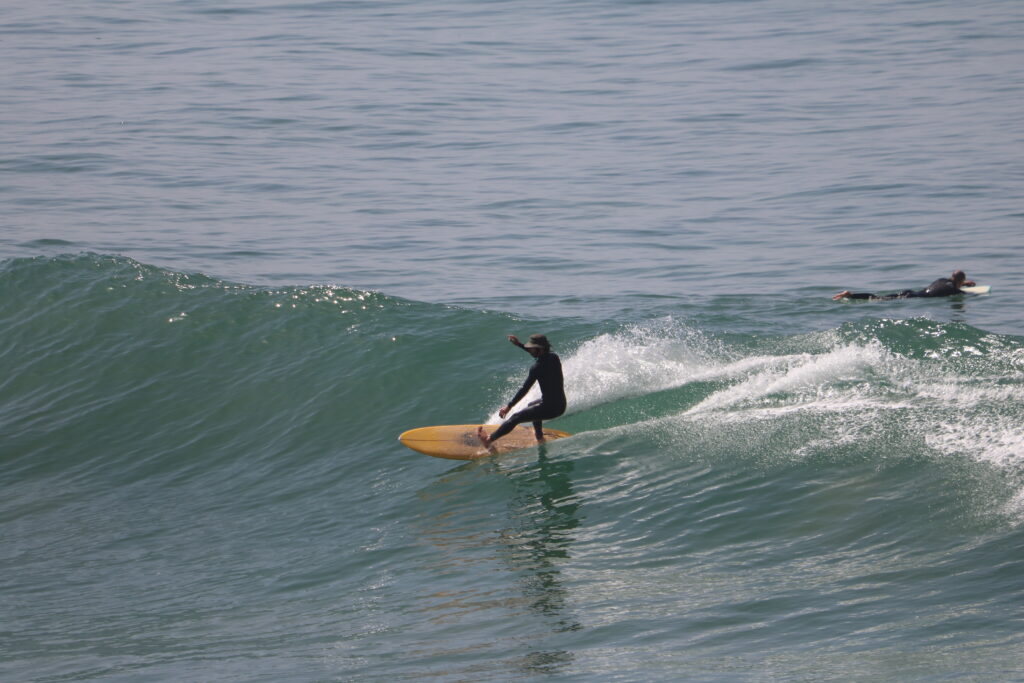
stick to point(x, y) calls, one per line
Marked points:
point(959, 276)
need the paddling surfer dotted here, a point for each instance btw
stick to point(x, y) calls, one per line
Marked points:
point(547, 372)
point(944, 286)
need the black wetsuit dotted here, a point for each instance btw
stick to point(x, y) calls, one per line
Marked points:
point(941, 287)
point(547, 371)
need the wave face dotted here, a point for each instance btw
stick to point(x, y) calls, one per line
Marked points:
point(194, 470)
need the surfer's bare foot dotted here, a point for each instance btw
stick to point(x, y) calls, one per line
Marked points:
point(482, 435)
point(841, 295)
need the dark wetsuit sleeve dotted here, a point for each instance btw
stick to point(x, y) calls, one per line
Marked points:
point(530, 379)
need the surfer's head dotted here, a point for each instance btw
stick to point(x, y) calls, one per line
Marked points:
point(538, 343)
point(958, 277)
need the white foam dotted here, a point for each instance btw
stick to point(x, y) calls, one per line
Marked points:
point(797, 374)
point(635, 361)
point(994, 439)
point(955, 390)
point(950, 410)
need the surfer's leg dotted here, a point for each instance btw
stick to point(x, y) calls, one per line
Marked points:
point(508, 425)
point(505, 427)
point(905, 294)
point(847, 294)
point(529, 414)
point(536, 411)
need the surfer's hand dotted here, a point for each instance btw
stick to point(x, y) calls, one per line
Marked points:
point(967, 283)
point(503, 412)
point(514, 339)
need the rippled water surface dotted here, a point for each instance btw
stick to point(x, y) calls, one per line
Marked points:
point(244, 245)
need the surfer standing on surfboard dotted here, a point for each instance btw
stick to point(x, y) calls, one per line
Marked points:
point(546, 371)
point(944, 286)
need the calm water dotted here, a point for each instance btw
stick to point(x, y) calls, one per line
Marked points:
point(244, 245)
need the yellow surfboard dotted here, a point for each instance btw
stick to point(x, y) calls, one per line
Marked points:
point(460, 442)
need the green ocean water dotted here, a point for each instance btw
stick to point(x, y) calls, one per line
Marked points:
point(244, 245)
point(201, 479)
